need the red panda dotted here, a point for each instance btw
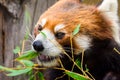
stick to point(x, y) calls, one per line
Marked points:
point(98, 37)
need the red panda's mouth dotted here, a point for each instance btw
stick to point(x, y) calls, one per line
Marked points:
point(46, 58)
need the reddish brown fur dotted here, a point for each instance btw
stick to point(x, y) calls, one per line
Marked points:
point(99, 56)
point(71, 13)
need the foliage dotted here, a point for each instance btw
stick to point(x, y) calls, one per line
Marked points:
point(16, 50)
point(76, 30)
point(28, 55)
point(28, 67)
point(76, 76)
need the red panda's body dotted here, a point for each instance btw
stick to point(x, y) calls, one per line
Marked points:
point(98, 37)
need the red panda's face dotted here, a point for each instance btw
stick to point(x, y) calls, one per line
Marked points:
point(54, 29)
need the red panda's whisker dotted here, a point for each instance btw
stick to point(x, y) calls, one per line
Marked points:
point(31, 36)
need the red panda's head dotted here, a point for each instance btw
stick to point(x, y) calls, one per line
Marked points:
point(55, 27)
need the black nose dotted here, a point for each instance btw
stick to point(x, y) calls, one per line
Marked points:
point(37, 45)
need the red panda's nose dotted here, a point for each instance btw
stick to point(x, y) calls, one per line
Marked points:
point(38, 46)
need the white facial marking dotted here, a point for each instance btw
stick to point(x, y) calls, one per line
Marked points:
point(51, 46)
point(83, 41)
point(110, 9)
point(42, 23)
point(58, 27)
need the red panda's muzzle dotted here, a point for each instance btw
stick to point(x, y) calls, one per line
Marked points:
point(38, 46)
point(45, 58)
point(48, 48)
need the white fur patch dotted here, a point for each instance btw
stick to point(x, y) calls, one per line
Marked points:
point(58, 27)
point(116, 33)
point(110, 9)
point(51, 46)
point(42, 23)
point(83, 42)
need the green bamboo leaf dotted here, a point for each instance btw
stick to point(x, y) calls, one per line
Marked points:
point(78, 62)
point(43, 34)
point(76, 30)
point(6, 69)
point(2, 68)
point(41, 77)
point(76, 76)
point(19, 66)
point(32, 77)
point(13, 72)
point(27, 63)
point(30, 73)
point(19, 72)
point(16, 50)
point(28, 55)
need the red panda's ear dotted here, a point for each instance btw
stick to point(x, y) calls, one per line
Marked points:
point(109, 6)
point(110, 9)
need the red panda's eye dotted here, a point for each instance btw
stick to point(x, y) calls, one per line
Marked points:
point(39, 27)
point(59, 35)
